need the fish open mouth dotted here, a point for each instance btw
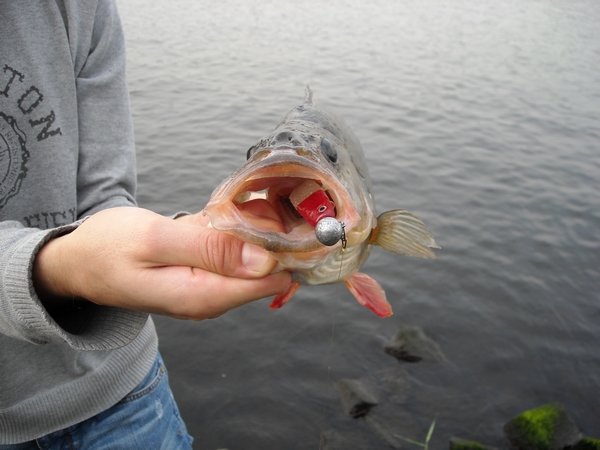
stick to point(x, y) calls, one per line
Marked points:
point(258, 202)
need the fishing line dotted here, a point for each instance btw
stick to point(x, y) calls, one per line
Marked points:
point(332, 342)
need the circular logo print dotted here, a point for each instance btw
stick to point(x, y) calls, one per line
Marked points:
point(13, 156)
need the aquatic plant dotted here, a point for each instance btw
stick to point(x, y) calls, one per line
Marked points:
point(425, 444)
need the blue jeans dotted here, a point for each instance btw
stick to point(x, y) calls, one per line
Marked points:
point(146, 419)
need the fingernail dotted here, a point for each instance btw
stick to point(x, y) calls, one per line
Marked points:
point(254, 258)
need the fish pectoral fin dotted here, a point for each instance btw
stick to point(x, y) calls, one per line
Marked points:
point(284, 297)
point(401, 232)
point(369, 293)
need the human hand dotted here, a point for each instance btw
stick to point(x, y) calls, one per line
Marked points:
point(135, 259)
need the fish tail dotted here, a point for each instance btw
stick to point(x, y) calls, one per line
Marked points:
point(401, 232)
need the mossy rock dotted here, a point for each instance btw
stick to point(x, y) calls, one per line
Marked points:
point(587, 443)
point(547, 427)
point(464, 444)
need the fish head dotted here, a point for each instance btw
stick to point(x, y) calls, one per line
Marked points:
point(310, 172)
point(307, 145)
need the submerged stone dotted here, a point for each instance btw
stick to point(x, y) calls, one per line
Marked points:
point(464, 444)
point(355, 396)
point(344, 439)
point(547, 427)
point(411, 344)
point(588, 443)
point(330, 440)
point(384, 433)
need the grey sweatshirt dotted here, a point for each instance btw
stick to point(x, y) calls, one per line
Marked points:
point(66, 151)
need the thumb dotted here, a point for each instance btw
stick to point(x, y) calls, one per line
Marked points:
point(220, 253)
point(257, 261)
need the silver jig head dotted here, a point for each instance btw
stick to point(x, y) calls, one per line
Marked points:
point(329, 231)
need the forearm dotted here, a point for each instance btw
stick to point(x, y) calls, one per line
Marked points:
point(135, 259)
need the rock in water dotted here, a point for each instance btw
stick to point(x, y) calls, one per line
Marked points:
point(411, 344)
point(587, 443)
point(464, 444)
point(356, 399)
point(547, 427)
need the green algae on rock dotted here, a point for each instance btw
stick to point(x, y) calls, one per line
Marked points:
point(587, 443)
point(465, 444)
point(547, 427)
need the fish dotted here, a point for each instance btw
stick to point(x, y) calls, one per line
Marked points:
point(310, 179)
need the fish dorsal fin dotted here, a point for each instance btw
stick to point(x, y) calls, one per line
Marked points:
point(283, 298)
point(401, 232)
point(369, 293)
point(308, 96)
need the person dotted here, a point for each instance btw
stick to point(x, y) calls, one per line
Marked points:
point(81, 266)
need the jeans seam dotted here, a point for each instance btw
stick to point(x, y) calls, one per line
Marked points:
point(69, 440)
point(147, 389)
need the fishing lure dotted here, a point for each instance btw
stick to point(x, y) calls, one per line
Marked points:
point(316, 207)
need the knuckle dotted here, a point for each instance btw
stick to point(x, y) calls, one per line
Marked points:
point(220, 252)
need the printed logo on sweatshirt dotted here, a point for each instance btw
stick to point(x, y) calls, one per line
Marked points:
point(13, 139)
point(47, 220)
point(13, 156)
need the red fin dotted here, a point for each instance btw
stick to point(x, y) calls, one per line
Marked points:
point(369, 293)
point(282, 299)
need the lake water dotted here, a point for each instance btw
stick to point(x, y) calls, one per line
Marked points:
point(481, 117)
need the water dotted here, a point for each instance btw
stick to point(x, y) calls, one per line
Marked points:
point(481, 117)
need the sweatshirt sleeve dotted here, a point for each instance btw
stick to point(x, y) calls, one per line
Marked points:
point(106, 172)
point(82, 325)
point(105, 178)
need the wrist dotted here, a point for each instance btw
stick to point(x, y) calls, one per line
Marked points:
point(47, 274)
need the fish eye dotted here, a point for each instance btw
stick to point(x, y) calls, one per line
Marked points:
point(329, 150)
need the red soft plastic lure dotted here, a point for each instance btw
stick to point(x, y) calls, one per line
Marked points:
point(315, 207)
